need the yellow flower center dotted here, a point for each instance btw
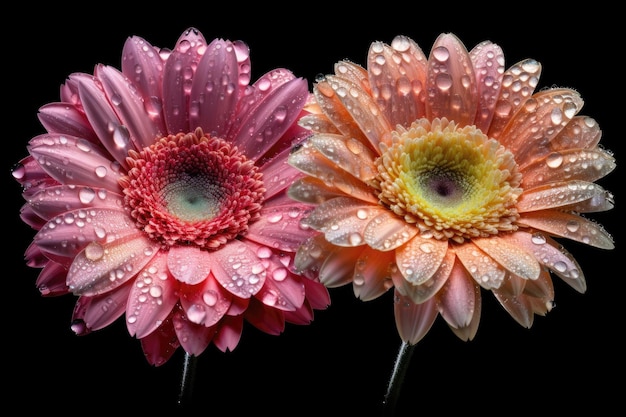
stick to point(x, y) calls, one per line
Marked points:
point(454, 183)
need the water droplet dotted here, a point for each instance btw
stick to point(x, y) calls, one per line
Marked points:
point(210, 298)
point(94, 251)
point(441, 53)
point(279, 274)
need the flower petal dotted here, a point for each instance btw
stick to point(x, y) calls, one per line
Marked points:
point(69, 233)
point(136, 124)
point(420, 258)
point(152, 297)
point(339, 266)
point(397, 74)
point(459, 303)
point(228, 333)
point(570, 164)
point(266, 123)
point(413, 320)
point(529, 132)
point(483, 268)
point(386, 231)
point(99, 311)
point(268, 320)
point(451, 82)
point(348, 153)
point(160, 345)
point(510, 255)
point(552, 255)
point(109, 128)
point(77, 161)
point(279, 226)
point(189, 264)
point(215, 89)
point(239, 270)
point(518, 83)
point(569, 225)
point(205, 303)
point(142, 64)
point(488, 62)
point(563, 194)
point(516, 304)
point(372, 273)
point(422, 292)
point(56, 200)
point(65, 118)
point(102, 267)
point(194, 338)
point(582, 132)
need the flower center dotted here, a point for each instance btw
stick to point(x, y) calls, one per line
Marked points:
point(452, 182)
point(192, 189)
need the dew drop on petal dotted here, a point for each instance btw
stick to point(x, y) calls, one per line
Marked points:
point(279, 274)
point(94, 251)
point(554, 160)
point(210, 298)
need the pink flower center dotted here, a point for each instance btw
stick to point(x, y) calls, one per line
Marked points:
point(192, 189)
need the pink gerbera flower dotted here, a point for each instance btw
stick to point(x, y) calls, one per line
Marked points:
point(158, 193)
point(445, 175)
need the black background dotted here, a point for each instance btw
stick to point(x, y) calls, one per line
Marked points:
point(570, 360)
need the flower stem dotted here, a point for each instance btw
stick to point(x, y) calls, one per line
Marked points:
point(397, 376)
point(187, 380)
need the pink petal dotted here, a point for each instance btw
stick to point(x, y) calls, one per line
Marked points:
point(529, 132)
point(510, 255)
point(451, 82)
point(205, 303)
point(59, 199)
point(359, 104)
point(69, 233)
point(386, 231)
point(582, 132)
point(420, 258)
point(413, 320)
point(397, 75)
point(422, 292)
point(317, 296)
point(160, 345)
point(67, 119)
point(193, 338)
point(279, 226)
point(152, 297)
point(189, 264)
point(278, 174)
point(457, 298)
point(129, 107)
point(109, 128)
point(372, 273)
point(485, 271)
point(229, 333)
point(569, 164)
point(51, 280)
point(71, 160)
point(238, 269)
point(518, 83)
point(282, 289)
point(142, 64)
point(563, 194)
point(177, 82)
point(553, 256)
point(101, 310)
point(265, 125)
point(488, 62)
point(518, 306)
point(215, 89)
point(102, 267)
point(347, 153)
point(338, 267)
point(312, 190)
point(570, 226)
point(310, 161)
point(268, 320)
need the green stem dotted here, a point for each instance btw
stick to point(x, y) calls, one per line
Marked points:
point(187, 380)
point(397, 376)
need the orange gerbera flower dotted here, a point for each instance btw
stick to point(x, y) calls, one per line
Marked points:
point(445, 174)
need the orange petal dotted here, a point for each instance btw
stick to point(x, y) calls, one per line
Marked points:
point(485, 271)
point(413, 320)
point(511, 256)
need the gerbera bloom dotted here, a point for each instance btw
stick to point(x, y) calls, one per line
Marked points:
point(443, 175)
point(159, 193)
